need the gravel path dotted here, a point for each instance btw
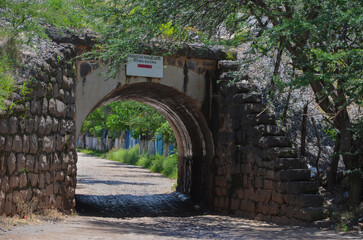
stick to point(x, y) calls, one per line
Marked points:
point(117, 201)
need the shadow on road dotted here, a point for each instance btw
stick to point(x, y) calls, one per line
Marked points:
point(109, 182)
point(122, 206)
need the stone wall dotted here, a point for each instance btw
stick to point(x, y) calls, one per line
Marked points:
point(258, 174)
point(37, 138)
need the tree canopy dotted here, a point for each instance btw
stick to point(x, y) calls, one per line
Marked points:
point(322, 39)
point(142, 121)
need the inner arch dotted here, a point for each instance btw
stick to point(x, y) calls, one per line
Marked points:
point(194, 139)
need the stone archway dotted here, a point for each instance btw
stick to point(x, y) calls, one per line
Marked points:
point(195, 144)
point(183, 96)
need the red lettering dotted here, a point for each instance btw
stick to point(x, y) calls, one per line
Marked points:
point(144, 66)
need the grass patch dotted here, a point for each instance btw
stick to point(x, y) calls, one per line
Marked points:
point(157, 163)
point(28, 217)
point(101, 154)
point(129, 156)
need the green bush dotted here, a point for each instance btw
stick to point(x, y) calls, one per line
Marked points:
point(157, 163)
point(129, 156)
point(7, 85)
point(145, 160)
point(170, 166)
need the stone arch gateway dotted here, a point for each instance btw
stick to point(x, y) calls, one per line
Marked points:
point(180, 96)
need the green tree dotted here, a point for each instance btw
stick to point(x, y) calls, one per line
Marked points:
point(167, 135)
point(141, 120)
point(323, 39)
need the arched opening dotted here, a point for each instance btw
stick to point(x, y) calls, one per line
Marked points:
point(194, 140)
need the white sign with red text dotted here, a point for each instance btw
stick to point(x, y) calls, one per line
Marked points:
point(144, 66)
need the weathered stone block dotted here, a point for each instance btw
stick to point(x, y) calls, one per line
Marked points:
point(2, 202)
point(49, 189)
point(42, 126)
point(33, 178)
point(41, 180)
point(251, 206)
point(270, 174)
point(310, 214)
point(288, 163)
point(5, 184)
point(59, 202)
point(35, 107)
point(13, 121)
point(57, 107)
point(45, 106)
point(48, 125)
point(234, 203)
point(14, 182)
point(304, 200)
point(23, 180)
point(296, 187)
point(293, 175)
point(48, 178)
point(43, 163)
point(21, 160)
point(17, 144)
point(267, 164)
point(274, 141)
point(56, 164)
point(268, 184)
point(60, 142)
point(29, 163)
point(2, 143)
point(71, 111)
point(274, 208)
point(2, 166)
point(67, 83)
point(48, 144)
point(26, 144)
point(265, 118)
point(4, 127)
point(55, 125)
point(40, 89)
point(278, 197)
point(60, 176)
point(264, 195)
point(270, 130)
point(11, 163)
point(259, 182)
point(36, 123)
point(8, 143)
point(8, 204)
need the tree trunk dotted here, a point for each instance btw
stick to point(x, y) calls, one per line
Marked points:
point(332, 176)
point(123, 136)
point(319, 148)
point(151, 147)
point(165, 149)
point(342, 122)
point(143, 146)
point(351, 162)
point(303, 129)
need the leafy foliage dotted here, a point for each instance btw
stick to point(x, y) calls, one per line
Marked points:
point(129, 156)
point(156, 163)
point(323, 40)
point(7, 85)
point(166, 133)
point(142, 121)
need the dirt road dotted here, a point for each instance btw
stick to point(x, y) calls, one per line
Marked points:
point(117, 201)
